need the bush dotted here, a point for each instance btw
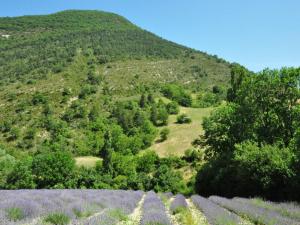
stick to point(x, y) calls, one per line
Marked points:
point(164, 134)
point(14, 134)
point(173, 108)
point(178, 94)
point(87, 90)
point(183, 118)
point(193, 155)
point(39, 98)
point(57, 219)
point(207, 99)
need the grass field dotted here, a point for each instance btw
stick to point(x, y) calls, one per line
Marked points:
point(181, 135)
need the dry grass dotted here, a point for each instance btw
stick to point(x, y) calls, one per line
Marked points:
point(87, 161)
point(181, 135)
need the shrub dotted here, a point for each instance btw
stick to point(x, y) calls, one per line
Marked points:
point(164, 134)
point(173, 108)
point(57, 219)
point(183, 118)
point(14, 134)
point(193, 155)
point(208, 99)
point(39, 98)
point(178, 94)
point(87, 90)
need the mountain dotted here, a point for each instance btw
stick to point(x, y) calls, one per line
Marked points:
point(37, 46)
point(48, 62)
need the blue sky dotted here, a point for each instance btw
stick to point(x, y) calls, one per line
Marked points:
point(256, 33)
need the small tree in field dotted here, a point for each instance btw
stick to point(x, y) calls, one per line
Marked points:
point(164, 133)
point(183, 118)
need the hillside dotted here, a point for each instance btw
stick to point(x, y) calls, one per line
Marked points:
point(39, 45)
point(46, 62)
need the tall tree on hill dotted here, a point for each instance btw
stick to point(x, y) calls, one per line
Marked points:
point(143, 101)
point(107, 153)
point(150, 99)
point(154, 115)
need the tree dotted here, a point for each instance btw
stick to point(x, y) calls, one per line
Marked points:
point(21, 176)
point(150, 99)
point(162, 116)
point(143, 101)
point(154, 115)
point(264, 170)
point(7, 163)
point(167, 180)
point(252, 141)
point(52, 169)
point(147, 162)
point(107, 152)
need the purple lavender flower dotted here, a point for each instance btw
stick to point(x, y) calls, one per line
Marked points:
point(154, 211)
point(73, 203)
point(256, 214)
point(285, 209)
point(215, 214)
point(178, 203)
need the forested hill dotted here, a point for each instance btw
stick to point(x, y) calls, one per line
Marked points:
point(90, 84)
point(36, 46)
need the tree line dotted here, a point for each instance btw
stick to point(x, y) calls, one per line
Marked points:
point(252, 142)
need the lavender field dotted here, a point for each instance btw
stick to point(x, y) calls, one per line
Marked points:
point(107, 207)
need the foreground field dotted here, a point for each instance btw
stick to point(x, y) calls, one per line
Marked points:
point(107, 207)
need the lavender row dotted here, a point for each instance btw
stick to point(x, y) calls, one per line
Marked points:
point(256, 214)
point(154, 211)
point(215, 214)
point(291, 209)
point(31, 204)
point(178, 203)
point(167, 195)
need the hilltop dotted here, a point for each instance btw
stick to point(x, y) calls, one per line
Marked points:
point(38, 46)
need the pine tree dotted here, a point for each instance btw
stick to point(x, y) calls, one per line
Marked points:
point(154, 115)
point(143, 101)
point(150, 99)
point(107, 153)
